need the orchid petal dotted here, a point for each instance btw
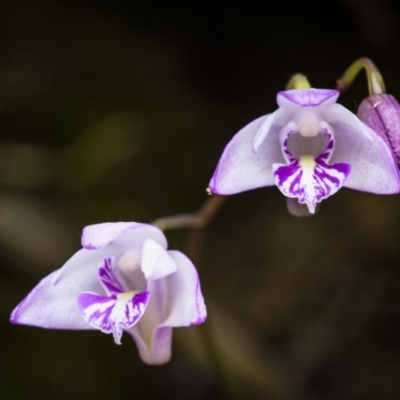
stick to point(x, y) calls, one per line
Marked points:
point(86, 259)
point(146, 331)
point(185, 303)
point(130, 234)
point(240, 168)
point(175, 301)
point(373, 166)
point(307, 97)
point(337, 114)
point(264, 130)
point(310, 180)
point(53, 305)
point(159, 351)
point(113, 314)
point(156, 262)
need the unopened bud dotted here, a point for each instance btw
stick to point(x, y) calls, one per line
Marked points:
point(381, 112)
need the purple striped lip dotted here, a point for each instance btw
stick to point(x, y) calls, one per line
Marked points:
point(310, 179)
point(108, 276)
point(113, 314)
point(118, 310)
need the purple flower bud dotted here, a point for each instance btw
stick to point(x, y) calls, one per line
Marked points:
point(381, 112)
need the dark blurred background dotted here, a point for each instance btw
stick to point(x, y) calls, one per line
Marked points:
point(118, 111)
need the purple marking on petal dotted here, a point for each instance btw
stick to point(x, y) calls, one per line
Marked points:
point(309, 180)
point(312, 186)
point(201, 308)
point(308, 97)
point(108, 276)
point(113, 314)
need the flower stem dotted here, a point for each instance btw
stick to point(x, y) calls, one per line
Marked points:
point(200, 219)
point(197, 223)
point(298, 81)
point(374, 77)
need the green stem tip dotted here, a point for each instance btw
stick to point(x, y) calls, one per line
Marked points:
point(374, 77)
point(298, 81)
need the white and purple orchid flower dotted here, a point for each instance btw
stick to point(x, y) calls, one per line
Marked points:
point(309, 148)
point(124, 279)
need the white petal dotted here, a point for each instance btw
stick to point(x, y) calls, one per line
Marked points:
point(175, 301)
point(264, 130)
point(86, 259)
point(129, 234)
point(152, 337)
point(373, 168)
point(240, 168)
point(54, 305)
point(336, 113)
point(159, 352)
point(156, 262)
point(185, 301)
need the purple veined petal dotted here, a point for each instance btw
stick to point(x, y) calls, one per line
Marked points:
point(310, 180)
point(113, 314)
point(52, 303)
point(156, 262)
point(126, 234)
point(240, 168)
point(310, 184)
point(307, 97)
point(108, 276)
point(373, 167)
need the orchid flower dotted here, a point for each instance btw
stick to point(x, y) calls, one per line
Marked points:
point(124, 279)
point(309, 148)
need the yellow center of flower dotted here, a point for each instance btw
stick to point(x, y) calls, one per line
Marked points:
point(126, 295)
point(307, 162)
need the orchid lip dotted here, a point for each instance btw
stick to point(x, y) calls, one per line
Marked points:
point(113, 314)
point(310, 179)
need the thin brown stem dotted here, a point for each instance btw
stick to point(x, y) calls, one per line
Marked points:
point(199, 219)
point(197, 223)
